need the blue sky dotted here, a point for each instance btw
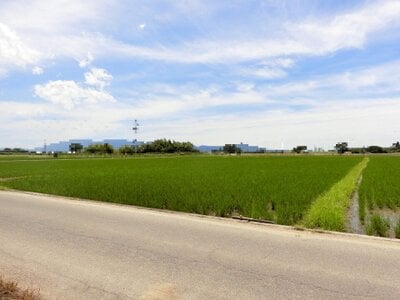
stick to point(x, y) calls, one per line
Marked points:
point(270, 73)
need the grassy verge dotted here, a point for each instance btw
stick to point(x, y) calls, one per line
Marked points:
point(329, 210)
point(9, 290)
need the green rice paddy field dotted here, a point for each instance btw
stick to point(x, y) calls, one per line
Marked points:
point(313, 191)
point(380, 196)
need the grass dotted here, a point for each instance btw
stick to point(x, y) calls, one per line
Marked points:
point(379, 191)
point(330, 209)
point(9, 290)
point(380, 186)
point(11, 157)
point(397, 230)
point(378, 226)
point(278, 188)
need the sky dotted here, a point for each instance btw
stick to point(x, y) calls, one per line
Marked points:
point(272, 73)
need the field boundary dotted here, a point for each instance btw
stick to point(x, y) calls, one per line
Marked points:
point(329, 211)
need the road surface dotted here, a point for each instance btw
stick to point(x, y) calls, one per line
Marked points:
point(73, 249)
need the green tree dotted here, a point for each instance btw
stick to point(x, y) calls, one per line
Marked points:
point(126, 150)
point(342, 147)
point(299, 149)
point(100, 149)
point(75, 147)
point(166, 146)
point(375, 149)
point(231, 148)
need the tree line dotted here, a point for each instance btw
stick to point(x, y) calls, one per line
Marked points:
point(157, 146)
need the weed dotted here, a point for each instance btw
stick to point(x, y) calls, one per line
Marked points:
point(378, 226)
point(9, 290)
point(361, 209)
point(397, 230)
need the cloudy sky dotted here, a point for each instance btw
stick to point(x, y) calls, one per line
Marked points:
point(266, 72)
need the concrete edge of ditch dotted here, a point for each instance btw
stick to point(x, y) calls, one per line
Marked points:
point(286, 228)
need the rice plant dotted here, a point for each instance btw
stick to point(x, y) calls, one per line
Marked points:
point(267, 187)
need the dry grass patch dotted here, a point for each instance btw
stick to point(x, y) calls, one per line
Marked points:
point(9, 290)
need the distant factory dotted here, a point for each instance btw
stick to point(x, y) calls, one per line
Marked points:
point(64, 146)
point(245, 148)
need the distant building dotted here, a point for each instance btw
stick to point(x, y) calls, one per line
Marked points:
point(245, 148)
point(63, 146)
point(210, 149)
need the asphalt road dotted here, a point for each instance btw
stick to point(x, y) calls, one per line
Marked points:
point(74, 249)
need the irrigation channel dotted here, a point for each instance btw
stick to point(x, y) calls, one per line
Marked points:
point(354, 224)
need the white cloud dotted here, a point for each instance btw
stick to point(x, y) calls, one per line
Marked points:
point(383, 78)
point(13, 51)
point(349, 30)
point(271, 68)
point(44, 31)
point(386, 75)
point(69, 94)
point(245, 87)
point(86, 61)
point(12, 111)
point(190, 101)
point(313, 37)
point(360, 122)
point(55, 17)
point(98, 77)
point(264, 72)
point(79, 30)
point(374, 122)
point(175, 114)
point(37, 70)
point(73, 29)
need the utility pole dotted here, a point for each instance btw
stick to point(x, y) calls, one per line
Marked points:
point(135, 128)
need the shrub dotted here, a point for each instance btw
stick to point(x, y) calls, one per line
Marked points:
point(126, 150)
point(100, 148)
